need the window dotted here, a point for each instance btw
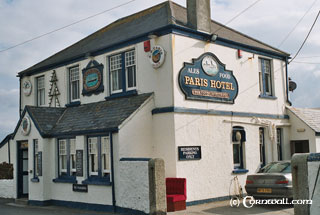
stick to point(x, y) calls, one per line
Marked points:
point(265, 77)
point(262, 147)
point(74, 84)
point(36, 159)
point(116, 73)
point(279, 143)
point(67, 157)
point(99, 165)
point(238, 139)
point(40, 91)
point(123, 72)
point(130, 69)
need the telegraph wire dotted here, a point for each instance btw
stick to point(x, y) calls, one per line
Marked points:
point(236, 16)
point(66, 26)
point(305, 38)
point(294, 28)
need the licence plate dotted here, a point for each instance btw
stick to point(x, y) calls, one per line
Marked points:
point(264, 190)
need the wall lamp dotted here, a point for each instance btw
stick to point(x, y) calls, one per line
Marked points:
point(213, 37)
point(153, 35)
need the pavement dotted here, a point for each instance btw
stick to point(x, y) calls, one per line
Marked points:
point(9, 207)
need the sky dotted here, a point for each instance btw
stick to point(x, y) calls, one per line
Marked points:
point(269, 21)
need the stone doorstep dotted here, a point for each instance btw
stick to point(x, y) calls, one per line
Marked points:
point(21, 201)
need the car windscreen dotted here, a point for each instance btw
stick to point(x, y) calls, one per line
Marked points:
point(276, 168)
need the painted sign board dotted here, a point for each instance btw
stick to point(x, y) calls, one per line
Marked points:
point(207, 79)
point(79, 162)
point(92, 78)
point(80, 188)
point(189, 153)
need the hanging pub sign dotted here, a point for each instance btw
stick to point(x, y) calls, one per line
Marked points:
point(92, 78)
point(207, 79)
point(189, 153)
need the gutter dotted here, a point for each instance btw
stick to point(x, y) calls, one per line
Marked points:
point(287, 86)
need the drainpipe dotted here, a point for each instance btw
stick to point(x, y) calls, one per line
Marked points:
point(9, 150)
point(112, 174)
point(287, 88)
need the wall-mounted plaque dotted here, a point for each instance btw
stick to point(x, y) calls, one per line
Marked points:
point(189, 153)
point(207, 79)
point(157, 56)
point(27, 88)
point(92, 78)
point(79, 162)
point(26, 125)
point(39, 164)
point(80, 188)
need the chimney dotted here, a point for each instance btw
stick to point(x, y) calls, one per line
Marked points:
point(198, 12)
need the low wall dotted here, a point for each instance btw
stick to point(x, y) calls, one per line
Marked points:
point(306, 182)
point(6, 188)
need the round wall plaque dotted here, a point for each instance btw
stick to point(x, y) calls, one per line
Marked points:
point(27, 87)
point(157, 56)
point(91, 79)
point(209, 65)
point(26, 126)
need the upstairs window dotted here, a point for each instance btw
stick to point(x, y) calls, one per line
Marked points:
point(265, 76)
point(40, 91)
point(130, 69)
point(74, 84)
point(123, 72)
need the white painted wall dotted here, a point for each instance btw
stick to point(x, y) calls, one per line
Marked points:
point(7, 188)
point(317, 144)
point(134, 189)
point(4, 154)
point(308, 134)
point(245, 70)
point(148, 79)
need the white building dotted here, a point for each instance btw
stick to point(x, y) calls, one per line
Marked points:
point(207, 99)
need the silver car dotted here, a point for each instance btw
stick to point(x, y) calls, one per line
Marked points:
point(273, 180)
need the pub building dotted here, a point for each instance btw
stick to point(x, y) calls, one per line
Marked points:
point(167, 82)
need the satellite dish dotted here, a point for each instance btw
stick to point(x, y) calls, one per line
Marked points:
point(292, 86)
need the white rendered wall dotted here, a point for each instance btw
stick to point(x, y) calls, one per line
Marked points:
point(7, 188)
point(148, 79)
point(4, 154)
point(134, 190)
point(308, 134)
point(317, 143)
point(245, 70)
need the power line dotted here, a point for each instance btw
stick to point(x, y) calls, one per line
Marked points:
point(236, 16)
point(305, 38)
point(66, 26)
point(286, 37)
point(305, 62)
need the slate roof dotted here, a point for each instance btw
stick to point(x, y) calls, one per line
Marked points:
point(133, 26)
point(311, 116)
point(96, 117)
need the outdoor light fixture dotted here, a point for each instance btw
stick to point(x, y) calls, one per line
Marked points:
point(213, 37)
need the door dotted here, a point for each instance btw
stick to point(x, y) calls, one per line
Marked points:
point(23, 174)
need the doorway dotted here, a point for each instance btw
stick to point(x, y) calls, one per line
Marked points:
point(23, 173)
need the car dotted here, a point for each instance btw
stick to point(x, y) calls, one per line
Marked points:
point(273, 180)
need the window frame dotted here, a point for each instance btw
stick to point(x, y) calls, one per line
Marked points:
point(40, 90)
point(279, 143)
point(36, 171)
point(102, 177)
point(262, 146)
point(262, 78)
point(68, 171)
point(71, 83)
point(123, 71)
point(239, 167)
